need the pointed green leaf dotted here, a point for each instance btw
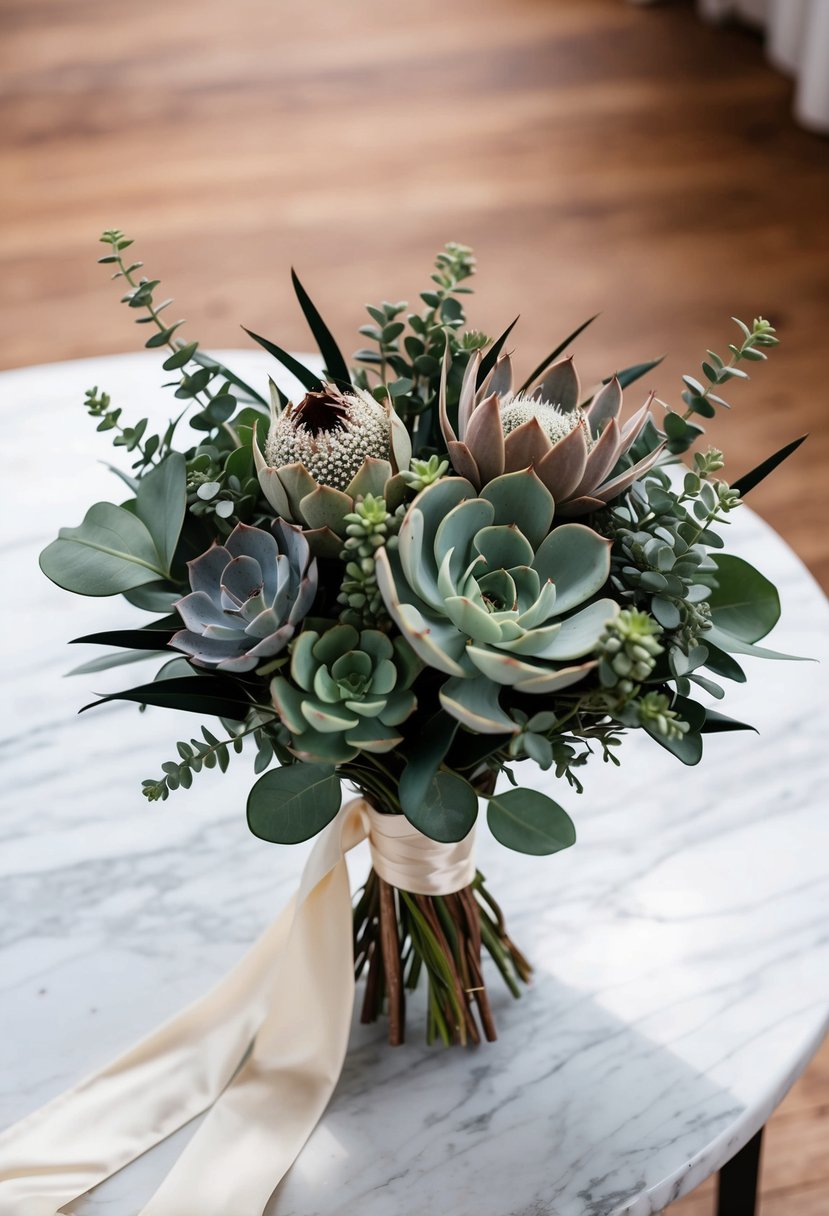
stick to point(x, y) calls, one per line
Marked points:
point(551, 358)
point(491, 357)
point(306, 378)
point(209, 694)
point(749, 480)
point(335, 364)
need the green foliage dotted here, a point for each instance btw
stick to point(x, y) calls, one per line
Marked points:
point(116, 549)
point(291, 804)
point(368, 528)
point(447, 810)
point(700, 399)
point(410, 347)
point(743, 603)
point(530, 822)
point(200, 380)
point(209, 752)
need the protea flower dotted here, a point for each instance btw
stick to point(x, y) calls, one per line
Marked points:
point(485, 592)
point(248, 597)
point(325, 452)
point(573, 451)
point(347, 692)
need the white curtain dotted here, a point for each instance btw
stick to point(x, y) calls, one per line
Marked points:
point(797, 40)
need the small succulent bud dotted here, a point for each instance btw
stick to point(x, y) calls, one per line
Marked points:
point(424, 473)
point(629, 649)
point(654, 712)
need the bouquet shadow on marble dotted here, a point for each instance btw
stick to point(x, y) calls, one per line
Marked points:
point(423, 573)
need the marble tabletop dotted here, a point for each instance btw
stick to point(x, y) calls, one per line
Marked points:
point(681, 948)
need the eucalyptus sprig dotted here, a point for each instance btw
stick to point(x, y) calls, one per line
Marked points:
point(410, 351)
point(700, 399)
point(200, 379)
point(208, 752)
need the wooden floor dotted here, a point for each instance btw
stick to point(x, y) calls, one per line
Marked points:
point(597, 155)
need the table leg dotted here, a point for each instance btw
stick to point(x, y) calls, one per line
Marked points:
point(738, 1179)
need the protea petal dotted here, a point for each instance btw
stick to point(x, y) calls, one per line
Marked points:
point(611, 489)
point(326, 507)
point(370, 478)
point(561, 386)
point(562, 468)
point(446, 427)
point(484, 439)
point(525, 447)
point(602, 459)
point(464, 463)
point(634, 425)
point(501, 380)
point(297, 482)
point(468, 395)
point(607, 404)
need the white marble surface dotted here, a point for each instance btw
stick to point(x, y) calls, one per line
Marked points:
point(681, 947)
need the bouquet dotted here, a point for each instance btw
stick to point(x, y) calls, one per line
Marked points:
point(420, 574)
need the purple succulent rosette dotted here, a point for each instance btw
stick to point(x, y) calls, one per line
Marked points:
point(248, 598)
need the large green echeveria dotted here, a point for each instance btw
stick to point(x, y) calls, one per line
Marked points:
point(485, 592)
point(347, 692)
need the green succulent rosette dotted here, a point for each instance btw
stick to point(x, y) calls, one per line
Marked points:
point(348, 691)
point(484, 591)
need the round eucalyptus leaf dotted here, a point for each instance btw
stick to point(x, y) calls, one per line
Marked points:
point(291, 804)
point(448, 809)
point(744, 603)
point(530, 822)
point(110, 552)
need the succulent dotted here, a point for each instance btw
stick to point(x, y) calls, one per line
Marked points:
point(248, 597)
point(347, 692)
point(574, 451)
point(485, 592)
point(324, 453)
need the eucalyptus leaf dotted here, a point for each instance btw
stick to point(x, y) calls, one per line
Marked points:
point(291, 804)
point(448, 810)
point(161, 502)
point(425, 755)
point(110, 552)
point(744, 603)
point(530, 822)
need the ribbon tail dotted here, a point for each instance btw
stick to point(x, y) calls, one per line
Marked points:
point(290, 996)
point(85, 1135)
point(257, 1128)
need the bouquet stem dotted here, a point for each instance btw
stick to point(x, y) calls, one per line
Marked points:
point(399, 935)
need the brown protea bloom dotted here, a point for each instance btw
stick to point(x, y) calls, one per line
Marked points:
point(326, 451)
point(572, 450)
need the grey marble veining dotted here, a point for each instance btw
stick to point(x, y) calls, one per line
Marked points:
point(681, 947)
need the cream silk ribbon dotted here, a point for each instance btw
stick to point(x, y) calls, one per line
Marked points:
point(263, 1051)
